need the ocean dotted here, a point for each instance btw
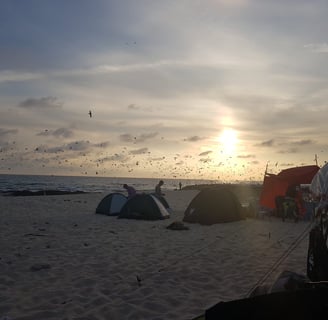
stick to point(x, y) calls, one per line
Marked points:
point(10, 183)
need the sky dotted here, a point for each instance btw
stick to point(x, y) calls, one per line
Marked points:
point(188, 89)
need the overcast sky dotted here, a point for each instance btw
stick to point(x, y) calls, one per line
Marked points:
point(208, 89)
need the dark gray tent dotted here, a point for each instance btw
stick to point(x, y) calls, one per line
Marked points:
point(145, 207)
point(112, 204)
point(212, 206)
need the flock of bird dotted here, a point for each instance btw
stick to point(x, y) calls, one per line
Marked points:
point(85, 158)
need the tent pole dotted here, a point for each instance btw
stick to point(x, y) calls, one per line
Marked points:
point(266, 169)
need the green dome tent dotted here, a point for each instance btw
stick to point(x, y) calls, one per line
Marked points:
point(144, 207)
point(213, 205)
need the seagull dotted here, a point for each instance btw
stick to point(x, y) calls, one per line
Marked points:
point(139, 280)
point(90, 113)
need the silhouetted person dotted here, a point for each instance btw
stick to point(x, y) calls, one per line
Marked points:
point(158, 189)
point(160, 195)
point(131, 191)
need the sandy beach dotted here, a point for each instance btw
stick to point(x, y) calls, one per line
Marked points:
point(59, 260)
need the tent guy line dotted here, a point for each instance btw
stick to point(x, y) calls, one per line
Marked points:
point(283, 257)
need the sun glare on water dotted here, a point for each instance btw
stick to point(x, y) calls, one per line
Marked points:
point(228, 141)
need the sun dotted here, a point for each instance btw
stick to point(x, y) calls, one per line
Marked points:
point(228, 141)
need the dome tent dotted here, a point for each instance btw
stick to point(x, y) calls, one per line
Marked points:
point(144, 207)
point(112, 204)
point(213, 205)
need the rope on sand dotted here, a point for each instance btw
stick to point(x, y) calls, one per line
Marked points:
point(285, 254)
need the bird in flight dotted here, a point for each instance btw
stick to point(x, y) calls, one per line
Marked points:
point(90, 113)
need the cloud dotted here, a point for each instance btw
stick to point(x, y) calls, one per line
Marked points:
point(13, 76)
point(303, 142)
point(157, 159)
point(42, 148)
point(193, 139)
point(63, 132)
point(104, 144)
point(127, 137)
point(60, 132)
point(40, 103)
point(288, 151)
point(139, 151)
point(81, 145)
point(246, 156)
point(51, 149)
point(133, 107)
point(115, 157)
point(317, 47)
point(5, 132)
point(147, 136)
point(268, 143)
point(205, 153)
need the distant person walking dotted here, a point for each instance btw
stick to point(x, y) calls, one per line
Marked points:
point(131, 191)
point(180, 185)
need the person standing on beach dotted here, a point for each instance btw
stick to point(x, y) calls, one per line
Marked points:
point(160, 195)
point(131, 191)
point(158, 189)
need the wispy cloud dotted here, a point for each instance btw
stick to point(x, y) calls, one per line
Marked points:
point(16, 76)
point(5, 132)
point(317, 47)
point(41, 103)
point(139, 151)
point(194, 139)
point(116, 158)
point(303, 142)
point(60, 132)
point(127, 137)
point(268, 143)
point(289, 151)
point(205, 153)
point(80, 145)
point(246, 156)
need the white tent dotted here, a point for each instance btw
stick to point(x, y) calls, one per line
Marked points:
point(319, 184)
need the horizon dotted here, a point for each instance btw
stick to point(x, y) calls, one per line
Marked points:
point(218, 90)
point(134, 178)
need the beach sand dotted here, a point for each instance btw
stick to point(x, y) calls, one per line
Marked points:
point(59, 260)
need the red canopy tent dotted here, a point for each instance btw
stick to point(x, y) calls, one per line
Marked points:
point(277, 184)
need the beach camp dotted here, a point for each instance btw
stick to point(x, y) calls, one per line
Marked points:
point(280, 188)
